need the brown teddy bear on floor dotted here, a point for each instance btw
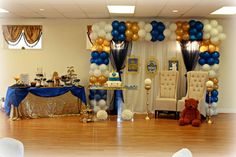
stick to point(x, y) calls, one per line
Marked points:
point(190, 115)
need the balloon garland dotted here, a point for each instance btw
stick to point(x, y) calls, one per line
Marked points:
point(208, 33)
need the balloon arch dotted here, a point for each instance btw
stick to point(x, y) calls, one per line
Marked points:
point(209, 33)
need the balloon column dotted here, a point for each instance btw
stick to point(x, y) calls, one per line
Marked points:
point(157, 31)
point(209, 57)
point(98, 74)
point(170, 31)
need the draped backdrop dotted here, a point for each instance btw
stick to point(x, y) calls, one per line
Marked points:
point(162, 51)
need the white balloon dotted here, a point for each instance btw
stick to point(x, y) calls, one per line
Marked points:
point(213, 23)
point(167, 32)
point(102, 33)
point(93, 102)
point(205, 22)
point(141, 24)
point(142, 33)
point(93, 36)
point(103, 67)
point(148, 81)
point(96, 108)
point(206, 67)
point(102, 103)
point(167, 24)
point(215, 40)
point(222, 36)
point(214, 32)
point(214, 105)
point(219, 28)
point(93, 66)
point(95, 28)
point(108, 28)
point(173, 26)
point(102, 115)
point(173, 36)
point(105, 73)
point(212, 73)
point(148, 37)
point(206, 36)
point(215, 67)
point(148, 27)
point(127, 115)
point(207, 28)
point(102, 24)
point(97, 72)
point(91, 72)
point(209, 83)
point(109, 36)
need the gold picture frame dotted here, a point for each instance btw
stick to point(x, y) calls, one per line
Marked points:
point(173, 64)
point(152, 66)
point(133, 64)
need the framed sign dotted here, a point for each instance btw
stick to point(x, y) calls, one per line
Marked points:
point(133, 64)
point(173, 65)
point(152, 66)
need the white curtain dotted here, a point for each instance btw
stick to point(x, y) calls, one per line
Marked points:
point(163, 52)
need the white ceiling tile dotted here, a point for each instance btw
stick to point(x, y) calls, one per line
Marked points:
point(67, 8)
point(120, 2)
point(98, 15)
point(51, 15)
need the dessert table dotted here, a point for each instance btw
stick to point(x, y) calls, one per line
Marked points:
point(33, 102)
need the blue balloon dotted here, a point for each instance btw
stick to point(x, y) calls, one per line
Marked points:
point(202, 61)
point(214, 93)
point(154, 33)
point(211, 61)
point(102, 92)
point(209, 100)
point(103, 55)
point(199, 26)
point(206, 55)
point(95, 54)
point(115, 33)
point(115, 24)
point(122, 28)
point(98, 61)
point(97, 97)
point(121, 37)
point(192, 31)
point(122, 22)
point(217, 61)
point(104, 97)
point(92, 92)
point(199, 35)
point(192, 38)
point(91, 96)
point(192, 23)
point(92, 60)
point(160, 37)
point(215, 54)
point(106, 61)
point(154, 25)
point(161, 27)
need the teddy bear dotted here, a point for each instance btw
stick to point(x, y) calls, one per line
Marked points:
point(190, 115)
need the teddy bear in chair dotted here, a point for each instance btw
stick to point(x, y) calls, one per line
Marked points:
point(190, 114)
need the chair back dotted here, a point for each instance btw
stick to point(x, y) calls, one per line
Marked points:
point(196, 84)
point(10, 147)
point(168, 84)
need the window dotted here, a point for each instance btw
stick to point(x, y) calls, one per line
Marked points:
point(22, 37)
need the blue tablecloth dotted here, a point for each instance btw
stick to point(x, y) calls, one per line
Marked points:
point(15, 94)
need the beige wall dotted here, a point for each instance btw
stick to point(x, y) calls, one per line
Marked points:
point(64, 44)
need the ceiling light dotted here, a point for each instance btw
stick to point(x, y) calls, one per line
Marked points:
point(121, 9)
point(41, 9)
point(225, 11)
point(3, 11)
point(175, 11)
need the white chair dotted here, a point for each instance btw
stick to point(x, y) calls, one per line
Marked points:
point(183, 153)
point(10, 147)
point(167, 92)
point(196, 89)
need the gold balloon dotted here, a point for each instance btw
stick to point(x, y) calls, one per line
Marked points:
point(92, 79)
point(128, 25)
point(206, 42)
point(217, 48)
point(99, 41)
point(178, 38)
point(94, 48)
point(179, 24)
point(102, 79)
point(212, 48)
point(203, 48)
point(215, 80)
point(135, 28)
point(106, 43)
point(185, 26)
point(134, 23)
point(185, 36)
point(98, 84)
point(179, 32)
point(107, 49)
point(99, 48)
point(128, 33)
point(129, 38)
point(135, 37)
